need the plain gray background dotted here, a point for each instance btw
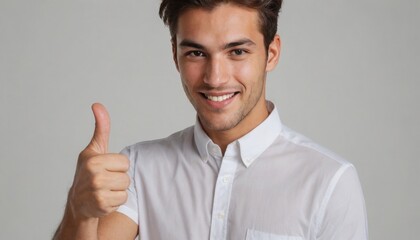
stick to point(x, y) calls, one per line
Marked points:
point(348, 78)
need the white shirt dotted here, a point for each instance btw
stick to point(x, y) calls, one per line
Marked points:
point(271, 184)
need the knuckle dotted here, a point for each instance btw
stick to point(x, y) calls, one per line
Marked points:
point(126, 181)
point(94, 161)
point(124, 196)
point(96, 182)
point(101, 202)
point(90, 165)
point(93, 164)
point(126, 163)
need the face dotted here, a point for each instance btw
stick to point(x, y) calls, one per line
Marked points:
point(222, 61)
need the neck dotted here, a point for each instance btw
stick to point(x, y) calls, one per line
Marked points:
point(224, 137)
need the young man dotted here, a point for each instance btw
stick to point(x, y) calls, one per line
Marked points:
point(238, 173)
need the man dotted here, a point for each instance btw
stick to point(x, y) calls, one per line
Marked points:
point(238, 173)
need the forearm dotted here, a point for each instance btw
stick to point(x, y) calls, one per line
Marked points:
point(74, 228)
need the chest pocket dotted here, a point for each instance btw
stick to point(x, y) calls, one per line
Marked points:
point(257, 235)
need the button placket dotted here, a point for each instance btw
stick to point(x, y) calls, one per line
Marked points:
point(222, 198)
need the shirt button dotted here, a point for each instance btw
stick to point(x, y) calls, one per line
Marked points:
point(225, 179)
point(221, 215)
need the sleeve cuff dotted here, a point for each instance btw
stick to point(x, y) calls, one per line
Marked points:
point(129, 213)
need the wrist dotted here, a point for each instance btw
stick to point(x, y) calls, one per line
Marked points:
point(76, 226)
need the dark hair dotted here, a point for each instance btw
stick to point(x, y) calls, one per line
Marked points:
point(268, 11)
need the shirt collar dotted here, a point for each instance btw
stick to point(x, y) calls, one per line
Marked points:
point(250, 146)
point(202, 141)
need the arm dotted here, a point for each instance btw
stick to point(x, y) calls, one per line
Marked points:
point(117, 226)
point(344, 215)
point(112, 226)
point(99, 188)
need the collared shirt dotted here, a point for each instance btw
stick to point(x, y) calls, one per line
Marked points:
point(272, 183)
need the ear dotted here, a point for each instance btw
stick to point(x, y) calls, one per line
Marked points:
point(273, 53)
point(174, 53)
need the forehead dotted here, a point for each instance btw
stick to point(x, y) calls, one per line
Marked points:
point(226, 22)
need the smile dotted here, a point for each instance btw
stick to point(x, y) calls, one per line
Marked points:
point(219, 98)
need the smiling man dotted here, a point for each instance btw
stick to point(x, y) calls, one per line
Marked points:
point(238, 173)
point(222, 60)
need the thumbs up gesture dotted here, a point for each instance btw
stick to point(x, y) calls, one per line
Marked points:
point(101, 180)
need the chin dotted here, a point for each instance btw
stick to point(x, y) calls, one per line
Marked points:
point(221, 124)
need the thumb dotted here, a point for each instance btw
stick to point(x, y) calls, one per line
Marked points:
point(100, 139)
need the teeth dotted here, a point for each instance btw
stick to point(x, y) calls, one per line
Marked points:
point(219, 98)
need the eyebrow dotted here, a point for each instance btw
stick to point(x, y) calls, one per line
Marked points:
point(240, 42)
point(189, 43)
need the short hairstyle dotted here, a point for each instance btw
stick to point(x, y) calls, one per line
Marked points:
point(268, 11)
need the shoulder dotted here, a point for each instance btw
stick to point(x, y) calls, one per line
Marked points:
point(304, 157)
point(307, 150)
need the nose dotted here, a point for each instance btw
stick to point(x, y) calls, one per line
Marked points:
point(216, 72)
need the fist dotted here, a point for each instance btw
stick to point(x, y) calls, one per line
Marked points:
point(101, 180)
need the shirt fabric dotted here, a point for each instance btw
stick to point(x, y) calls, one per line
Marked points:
point(271, 184)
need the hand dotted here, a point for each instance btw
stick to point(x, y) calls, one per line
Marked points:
point(101, 180)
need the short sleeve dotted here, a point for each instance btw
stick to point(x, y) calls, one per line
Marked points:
point(343, 214)
point(130, 208)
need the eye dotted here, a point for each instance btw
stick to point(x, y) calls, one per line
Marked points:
point(238, 52)
point(195, 54)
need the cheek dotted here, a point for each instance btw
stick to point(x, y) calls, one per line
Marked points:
point(190, 71)
point(248, 72)
point(190, 75)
